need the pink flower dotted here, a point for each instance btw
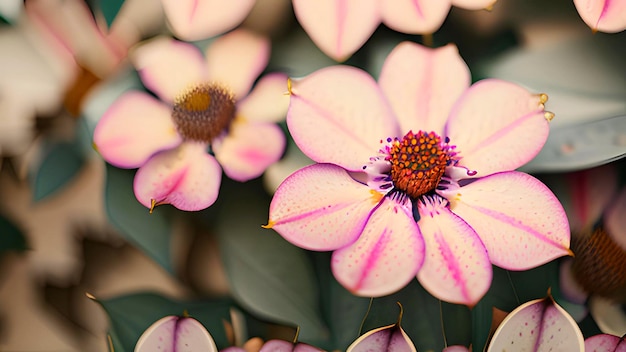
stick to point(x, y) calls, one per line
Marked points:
point(603, 15)
point(200, 19)
point(341, 27)
point(204, 104)
point(418, 145)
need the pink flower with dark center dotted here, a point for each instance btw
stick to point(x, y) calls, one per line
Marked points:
point(204, 105)
point(415, 176)
point(340, 27)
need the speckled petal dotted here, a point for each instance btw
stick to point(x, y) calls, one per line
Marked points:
point(338, 115)
point(186, 177)
point(473, 4)
point(539, 325)
point(174, 334)
point(391, 338)
point(386, 256)
point(456, 267)
point(497, 126)
point(603, 15)
point(199, 19)
point(414, 16)
point(517, 217)
point(605, 343)
point(237, 59)
point(168, 67)
point(320, 207)
point(422, 84)
point(268, 101)
point(338, 27)
point(249, 149)
point(133, 128)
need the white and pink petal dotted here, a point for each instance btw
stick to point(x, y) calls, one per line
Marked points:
point(603, 15)
point(497, 126)
point(339, 115)
point(519, 220)
point(338, 27)
point(456, 266)
point(186, 177)
point(168, 67)
point(174, 333)
point(236, 60)
point(386, 256)
point(134, 127)
point(422, 84)
point(320, 207)
point(249, 149)
point(414, 16)
point(268, 101)
point(200, 19)
point(605, 343)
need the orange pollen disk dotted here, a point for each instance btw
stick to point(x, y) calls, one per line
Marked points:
point(418, 161)
point(203, 112)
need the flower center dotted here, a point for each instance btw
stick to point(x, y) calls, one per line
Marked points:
point(418, 161)
point(203, 112)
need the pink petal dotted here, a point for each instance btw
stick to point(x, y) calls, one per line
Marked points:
point(285, 346)
point(268, 101)
point(615, 221)
point(168, 67)
point(172, 334)
point(497, 126)
point(605, 343)
point(391, 338)
point(186, 177)
point(517, 217)
point(539, 325)
point(338, 27)
point(199, 19)
point(603, 15)
point(249, 149)
point(338, 115)
point(422, 84)
point(320, 207)
point(456, 267)
point(237, 59)
point(386, 256)
point(414, 16)
point(133, 128)
point(474, 4)
point(455, 348)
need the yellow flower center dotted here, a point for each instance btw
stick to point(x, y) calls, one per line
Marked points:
point(203, 112)
point(418, 161)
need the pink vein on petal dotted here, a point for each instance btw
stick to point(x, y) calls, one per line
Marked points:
point(371, 259)
point(315, 213)
point(178, 181)
point(511, 221)
point(605, 7)
point(418, 8)
point(450, 258)
point(341, 21)
point(193, 10)
point(501, 133)
point(343, 129)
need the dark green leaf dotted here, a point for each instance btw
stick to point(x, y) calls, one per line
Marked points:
point(59, 164)
point(150, 232)
point(268, 276)
point(131, 315)
point(109, 9)
point(11, 238)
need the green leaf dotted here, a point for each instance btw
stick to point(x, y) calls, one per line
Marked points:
point(268, 276)
point(109, 9)
point(11, 238)
point(150, 232)
point(131, 315)
point(59, 164)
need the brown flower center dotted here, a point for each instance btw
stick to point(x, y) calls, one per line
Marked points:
point(418, 161)
point(203, 112)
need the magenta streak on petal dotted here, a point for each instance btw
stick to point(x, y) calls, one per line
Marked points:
point(372, 258)
point(175, 337)
point(453, 266)
point(511, 221)
point(194, 7)
point(544, 307)
point(343, 129)
point(178, 181)
point(315, 213)
point(605, 7)
point(501, 133)
point(342, 12)
point(418, 8)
